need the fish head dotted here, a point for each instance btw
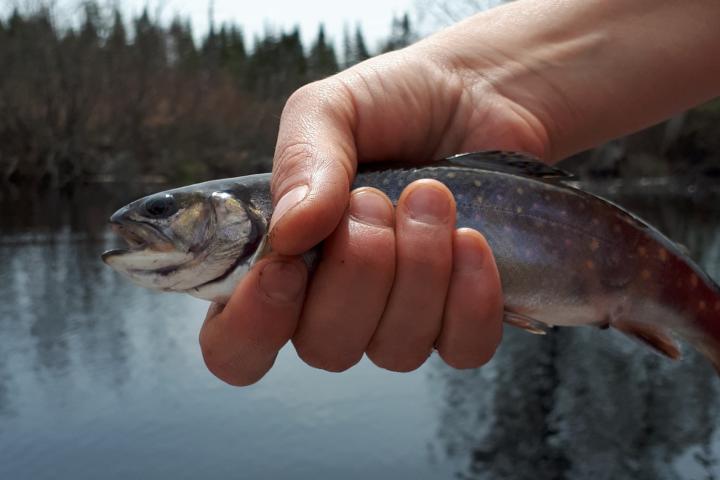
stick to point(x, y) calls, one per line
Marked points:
point(182, 239)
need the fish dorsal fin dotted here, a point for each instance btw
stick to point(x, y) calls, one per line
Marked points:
point(506, 161)
point(496, 160)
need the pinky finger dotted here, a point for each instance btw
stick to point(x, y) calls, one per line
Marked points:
point(472, 319)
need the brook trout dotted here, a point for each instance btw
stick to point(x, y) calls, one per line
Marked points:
point(566, 257)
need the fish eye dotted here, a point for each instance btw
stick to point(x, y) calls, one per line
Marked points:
point(161, 205)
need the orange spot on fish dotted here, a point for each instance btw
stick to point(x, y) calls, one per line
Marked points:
point(518, 209)
point(617, 229)
point(645, 274)
point(479, 200)
point(582, 205)
point(701, 305)
point(520, 191)
point(477, 217)
point(693, 280)
point(568, 241)
point(538, 223)
point(591, 265)
point(594, 245)
point(499, 196)
point(642, 251)
point(596, 221)
point(507, 228)
point(477, 183)
point(615, 257)
point(450, 175)
point(536, 206)
point(563, 213)
point(717, 306)
point(460, 197)
point(547, 197)
point(662, 254)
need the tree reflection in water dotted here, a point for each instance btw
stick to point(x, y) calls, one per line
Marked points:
point(584, 403)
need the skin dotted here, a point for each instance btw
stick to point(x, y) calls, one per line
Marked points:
point(550, 77)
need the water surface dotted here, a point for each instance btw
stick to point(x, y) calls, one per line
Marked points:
point(102, 379)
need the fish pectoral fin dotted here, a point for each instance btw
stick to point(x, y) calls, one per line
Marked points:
point(658, 340)
point(526, 323)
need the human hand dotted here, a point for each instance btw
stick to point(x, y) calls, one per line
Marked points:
point(390, 285)
point(520, 77)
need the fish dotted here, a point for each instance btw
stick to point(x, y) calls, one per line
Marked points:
point(565, 257)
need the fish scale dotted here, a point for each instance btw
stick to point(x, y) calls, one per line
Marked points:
point(565, 257)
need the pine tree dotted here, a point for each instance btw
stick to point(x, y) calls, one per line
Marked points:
point(322, 61)
point(401, 34)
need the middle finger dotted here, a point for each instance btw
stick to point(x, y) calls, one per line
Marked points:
point(412, 320)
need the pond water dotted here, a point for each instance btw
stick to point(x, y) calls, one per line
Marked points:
point(102, 379)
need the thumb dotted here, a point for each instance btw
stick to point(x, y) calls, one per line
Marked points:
point(314, 166)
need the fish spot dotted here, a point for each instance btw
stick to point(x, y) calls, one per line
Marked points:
point(594, 245)
point(645, 274)
point(479, 200)
point(477, 183)
point(717, 306)
point(693, 280)
point(520, 191)
point(538, 223)
point(518, 209)
point(450, 175)
point(400, 182)
point(615, 257)
point(596, 221)
point(477, 217)
point(590, 265)
point(385, 181)
point(701, 305)
point(568, 241)
point(499, 196)
point(662, 254)
point(535, 206)
point(563, 213)
point(507, 228)
point(617, 228)
point(460, 196)
point(642, 251)
point(528, 252)
point(582, 206)
point(547, 197)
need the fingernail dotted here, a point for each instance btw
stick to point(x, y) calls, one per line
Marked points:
point(288, 201)
point(371, 208)
point(281, 281)
point(466, 254)
point(428, 204)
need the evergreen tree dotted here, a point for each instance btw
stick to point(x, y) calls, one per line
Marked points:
point(182, 49)
point(322, 61)
point(361, 51)
point(401, 34)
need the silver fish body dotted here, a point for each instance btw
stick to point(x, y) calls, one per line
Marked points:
point(565, 257)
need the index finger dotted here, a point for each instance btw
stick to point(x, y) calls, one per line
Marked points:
point(314, 166)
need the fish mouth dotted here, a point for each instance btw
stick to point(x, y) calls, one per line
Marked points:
point(139, 237)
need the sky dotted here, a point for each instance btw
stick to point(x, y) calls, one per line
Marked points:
point(257, 16)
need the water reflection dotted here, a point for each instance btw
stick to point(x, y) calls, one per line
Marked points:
point(99, 378)
point(584, 403)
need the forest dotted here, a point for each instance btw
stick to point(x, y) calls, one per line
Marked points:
point(117, 100)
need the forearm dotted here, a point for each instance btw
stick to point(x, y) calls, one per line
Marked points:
point(582, 72)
